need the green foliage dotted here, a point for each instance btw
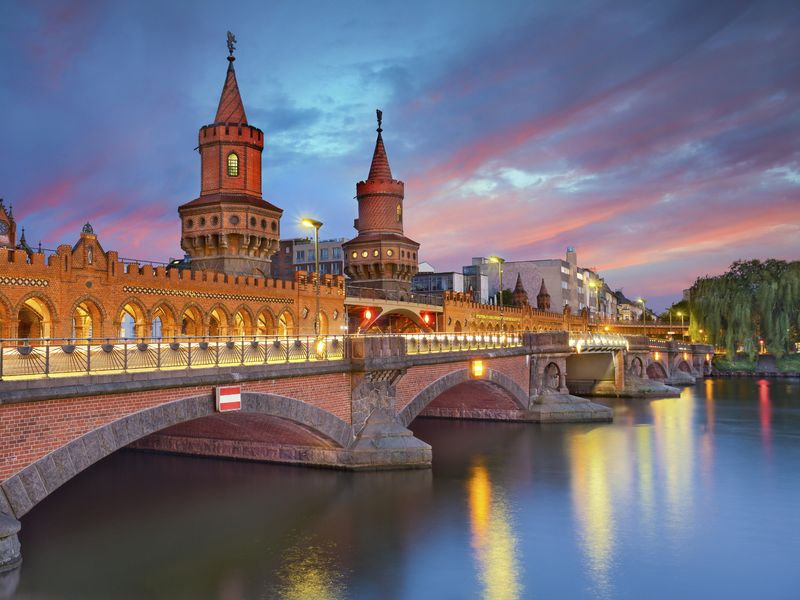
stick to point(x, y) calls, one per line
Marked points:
point(753, 300)
point(672, 313)
point(740, 363)
point(789, 363)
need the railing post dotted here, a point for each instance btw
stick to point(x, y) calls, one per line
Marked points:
point(189, 356)
point(47, 359)
point(158, 355)
point(217, 353)
point(125, 356)
point(88, 357)
point(2, 354)
point(308, 350)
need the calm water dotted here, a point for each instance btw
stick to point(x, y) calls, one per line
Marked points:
point(695, 497)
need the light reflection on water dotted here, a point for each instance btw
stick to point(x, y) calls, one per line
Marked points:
point(688, 497)
point(492, 537)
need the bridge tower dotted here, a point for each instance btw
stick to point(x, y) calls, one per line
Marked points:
point(230, 227)
point(380, 256)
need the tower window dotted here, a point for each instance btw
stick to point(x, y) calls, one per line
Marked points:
point(233, 165)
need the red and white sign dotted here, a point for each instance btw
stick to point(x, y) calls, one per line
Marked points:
point(229, 397)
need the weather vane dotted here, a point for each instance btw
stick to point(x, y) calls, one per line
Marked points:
point(379, 112)
point(231, 43)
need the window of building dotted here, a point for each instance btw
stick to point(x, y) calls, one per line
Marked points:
point(564, 285)
point(323, 253)
point(335, 269)
point(337, 253)
point(565, 270)
point(300, 255)
point(311, 255)
point(233, 165)
point(580, 275)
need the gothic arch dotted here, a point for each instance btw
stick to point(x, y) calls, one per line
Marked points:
point(133, 307)
point(223, 320)
point(6, 313)
point(441, 385)
point(39, 303)
point(246, 327)
point(636, 368)
point(97, 313)
point(655, 370)
point(265, 322)
point(84, 451)
point(286, 320)
point(192, 320)
point(171, 327)
point(552, 377)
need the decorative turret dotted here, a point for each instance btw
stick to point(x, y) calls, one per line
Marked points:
point(519, 297)
point(230, 228)
point(8, 227)
point(380, 256)
point(543, 298)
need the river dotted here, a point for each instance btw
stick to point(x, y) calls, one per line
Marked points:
point(692, 497)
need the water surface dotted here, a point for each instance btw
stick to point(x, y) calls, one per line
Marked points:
point(692, 497)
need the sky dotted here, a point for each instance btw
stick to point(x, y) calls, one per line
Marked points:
point(659, 138)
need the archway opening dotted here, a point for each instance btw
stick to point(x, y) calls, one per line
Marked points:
point(35, 320)
point(636, 367)
point(265, 324)
point(552, 377)
point(457, 327)
point(285, 324)
point(131, 322)
point(242, 323)
point(217, 323)
point(86, 320)
point(684, 366)
point(191, 322)
point(656, 371)
point(471, 399)
point(163, 324)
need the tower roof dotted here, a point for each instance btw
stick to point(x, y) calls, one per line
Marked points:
point(519, 288)
point(231, 109)
point(543, 289)
point(380, 162)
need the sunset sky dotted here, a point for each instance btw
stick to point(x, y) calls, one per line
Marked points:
point(660, 138)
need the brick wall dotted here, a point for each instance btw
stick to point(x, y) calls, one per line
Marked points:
point(29, 431)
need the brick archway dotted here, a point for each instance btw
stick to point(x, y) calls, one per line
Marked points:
point(441, 385)
point(28, 487)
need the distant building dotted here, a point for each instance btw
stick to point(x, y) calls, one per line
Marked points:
point(298, 255)
point(436, 283)
point(627, 309)
point(476, 280)
point(567, 284)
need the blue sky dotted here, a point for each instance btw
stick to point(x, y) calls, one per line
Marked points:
point(660, 138)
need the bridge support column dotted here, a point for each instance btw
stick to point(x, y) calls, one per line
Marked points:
point(10, 556)
point(550, 400)
point(380, 439)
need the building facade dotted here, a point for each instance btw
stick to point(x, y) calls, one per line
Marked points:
point(82, 290)
point(298, 255)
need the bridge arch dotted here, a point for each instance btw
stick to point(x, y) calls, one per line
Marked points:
point(35, 482)
point(164, 320)
point(265, 322)
point(5, 317)
point(36, 316)
point(451, 380)
point(636, 368)
point(655, 370)
point(89, 317)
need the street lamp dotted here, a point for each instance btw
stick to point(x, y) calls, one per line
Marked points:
point(643, 302)
point(683, 333)
point(499, 261)
point(316, 225)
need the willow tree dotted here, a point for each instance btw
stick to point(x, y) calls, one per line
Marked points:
point(753, 300)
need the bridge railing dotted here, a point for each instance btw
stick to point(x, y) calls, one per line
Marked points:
point(24, 359)
point(458, 342)
point(367, 293)
point(597, 342)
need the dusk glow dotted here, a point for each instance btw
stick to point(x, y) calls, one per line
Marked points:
point(658, 138)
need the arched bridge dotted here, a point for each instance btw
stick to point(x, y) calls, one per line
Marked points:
point(342, 401)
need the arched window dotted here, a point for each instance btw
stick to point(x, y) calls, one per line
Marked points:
point(233, 165)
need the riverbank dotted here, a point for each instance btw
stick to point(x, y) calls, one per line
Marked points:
point(762, 366)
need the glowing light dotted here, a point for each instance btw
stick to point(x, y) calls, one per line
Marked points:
point(476, 369)
point(426, 318)
point(311, 223)
point(367, 315)
point(657, 356)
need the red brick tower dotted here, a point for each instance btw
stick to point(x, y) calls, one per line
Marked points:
point(380, 256)
point(543, 298)
point(230, 228)
point(519, 297)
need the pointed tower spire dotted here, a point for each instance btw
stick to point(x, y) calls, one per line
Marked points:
point(380, 162)
point(543, 298)
point(519, 297)
point(231, 109)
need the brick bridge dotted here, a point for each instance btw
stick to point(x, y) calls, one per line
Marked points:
point(338, 401)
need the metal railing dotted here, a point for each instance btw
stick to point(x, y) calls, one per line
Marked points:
point(367, 293)
point(32, 359)
point(458, 342)
point(597, 342)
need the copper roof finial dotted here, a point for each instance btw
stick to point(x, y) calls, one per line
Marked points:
point(379, 112)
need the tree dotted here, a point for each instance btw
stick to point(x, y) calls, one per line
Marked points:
point(753, 300)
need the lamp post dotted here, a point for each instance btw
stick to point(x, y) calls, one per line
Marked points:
point(499, 261)
point(683, 333)
point(316, 225)
point(596, 288)
point(643, 302)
